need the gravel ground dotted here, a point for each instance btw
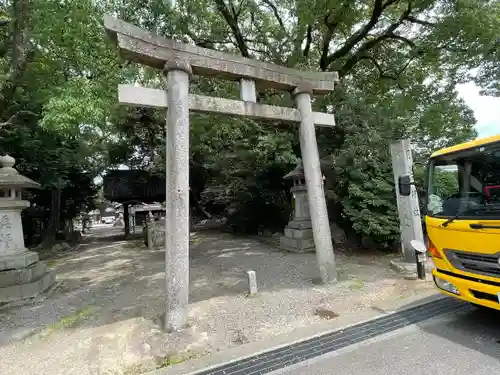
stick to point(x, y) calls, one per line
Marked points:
point(103, 317)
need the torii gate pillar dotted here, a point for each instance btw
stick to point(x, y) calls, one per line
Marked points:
point(314, 182)
point(177, 195)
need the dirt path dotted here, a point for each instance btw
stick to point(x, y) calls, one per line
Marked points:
point(103, 317)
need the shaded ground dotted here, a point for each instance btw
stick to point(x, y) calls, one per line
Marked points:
point(103, 317)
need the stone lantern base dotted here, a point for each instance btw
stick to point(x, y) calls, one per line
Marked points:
point(23, 276)
point(298, 237)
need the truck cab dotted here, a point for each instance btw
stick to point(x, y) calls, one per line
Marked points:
point(462, 217)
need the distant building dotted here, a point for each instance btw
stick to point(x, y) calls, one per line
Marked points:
point(140, 212)
point(105, 212)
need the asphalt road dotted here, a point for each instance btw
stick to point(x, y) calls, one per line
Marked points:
point(464, 343)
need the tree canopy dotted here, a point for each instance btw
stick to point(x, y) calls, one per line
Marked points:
point(399, 63)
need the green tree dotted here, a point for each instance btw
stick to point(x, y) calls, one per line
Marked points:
point(399, 61)
point(42, 68)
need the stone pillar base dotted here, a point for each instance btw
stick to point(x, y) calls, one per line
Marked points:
point(17, 261)
point(301, 224)
point(297, 240)
point(19, 283)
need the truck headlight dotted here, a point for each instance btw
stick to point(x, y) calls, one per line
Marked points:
point(445, 285)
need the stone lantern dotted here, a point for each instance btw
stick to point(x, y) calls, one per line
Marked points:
point(298, 236)
point(22, 275)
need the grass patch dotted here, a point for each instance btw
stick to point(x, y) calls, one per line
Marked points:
point(71, 320)
point(161, 362)
point(195, 240)
point(176, 359)
point(255, 295)
point(342, 274)
point(51, 263)
point(357, 284)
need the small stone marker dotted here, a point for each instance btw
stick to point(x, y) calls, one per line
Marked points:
point(252, 282)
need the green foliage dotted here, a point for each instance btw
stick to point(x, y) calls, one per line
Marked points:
point(445, 183)
point(363, 180)
point(399, 62)
point(255, 195)
point(45, 157)
point(399, 73)
point(51, 86)
point(243, 164)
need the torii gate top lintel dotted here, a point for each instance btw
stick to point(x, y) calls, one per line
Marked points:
point(143, 47)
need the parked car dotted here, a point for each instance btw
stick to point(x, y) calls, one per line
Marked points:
point(108, 220)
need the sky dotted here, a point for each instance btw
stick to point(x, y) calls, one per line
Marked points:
point(486, 109)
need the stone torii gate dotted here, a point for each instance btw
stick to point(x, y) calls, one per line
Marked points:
point(179, 61)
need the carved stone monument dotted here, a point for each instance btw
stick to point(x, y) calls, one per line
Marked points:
point(179, 62)
point(154, 233)
point(298, 236)
point(22, 275)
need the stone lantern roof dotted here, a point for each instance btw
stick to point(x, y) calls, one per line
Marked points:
point(297, 173)
point(10, 177)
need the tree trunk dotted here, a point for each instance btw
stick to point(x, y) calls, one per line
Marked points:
point(126, 218)
point(68, 229)
point(197, 206)
point(52, 228)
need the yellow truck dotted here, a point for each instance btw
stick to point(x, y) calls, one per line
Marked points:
point(462, 218)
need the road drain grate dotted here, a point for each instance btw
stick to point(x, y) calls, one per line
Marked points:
point(286, 356)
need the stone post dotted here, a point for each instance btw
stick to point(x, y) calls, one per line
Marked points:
point(126, 218)
point(177, 196)
point(252, 282)
point(149, 230)
point(132, 219)
point(408, 207)
point(314, 182)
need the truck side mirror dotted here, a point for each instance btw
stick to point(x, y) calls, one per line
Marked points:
point(418, 246)
point(404, 185)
